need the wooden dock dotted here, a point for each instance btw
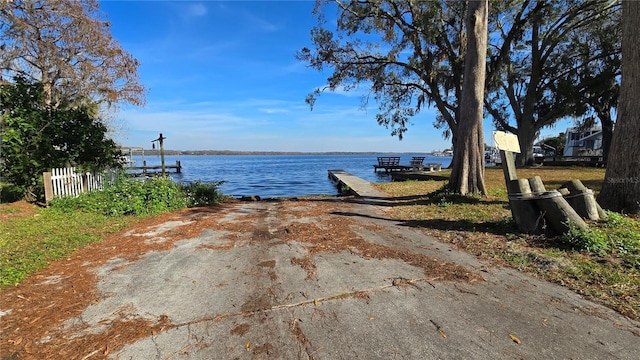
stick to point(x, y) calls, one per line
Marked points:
point(354, 184)
point(145, 170)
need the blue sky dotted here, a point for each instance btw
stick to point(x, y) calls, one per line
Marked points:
point(222, 75)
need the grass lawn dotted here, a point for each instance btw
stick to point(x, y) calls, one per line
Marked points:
point(31, 237)
point(483, 226)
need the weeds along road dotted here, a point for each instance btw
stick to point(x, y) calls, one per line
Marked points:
point(321, 278)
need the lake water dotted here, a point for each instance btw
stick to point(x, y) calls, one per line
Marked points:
point(278, 175)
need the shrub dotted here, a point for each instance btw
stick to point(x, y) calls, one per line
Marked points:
point(128, 196)
point(202, 194)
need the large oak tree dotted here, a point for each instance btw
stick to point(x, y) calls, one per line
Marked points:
point(536, 46)
point(621, 189)
point(410, 54)
point(67, 47)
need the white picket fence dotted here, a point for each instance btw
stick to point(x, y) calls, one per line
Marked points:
point(67, 182)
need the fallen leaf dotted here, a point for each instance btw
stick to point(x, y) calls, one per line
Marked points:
point(515, 339)
point(248, 345)
point(315, 302)
point(371, 318)
point(442, 333)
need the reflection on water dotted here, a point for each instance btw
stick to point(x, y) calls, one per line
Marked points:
point(277, 175)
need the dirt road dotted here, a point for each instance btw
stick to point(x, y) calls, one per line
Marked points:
point(325, 278)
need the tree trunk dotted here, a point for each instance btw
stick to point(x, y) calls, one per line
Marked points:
point(526, 138)
point(467, 173)
point(621, 188)
point(607, 133)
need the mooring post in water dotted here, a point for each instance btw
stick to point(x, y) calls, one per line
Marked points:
point(161, 144)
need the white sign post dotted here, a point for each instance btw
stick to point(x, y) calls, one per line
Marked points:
point(508, 146)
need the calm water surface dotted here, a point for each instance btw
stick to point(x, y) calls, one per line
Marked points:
point(278, 175)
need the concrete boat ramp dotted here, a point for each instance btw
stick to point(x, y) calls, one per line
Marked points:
point(355, 184)
point(315, 279)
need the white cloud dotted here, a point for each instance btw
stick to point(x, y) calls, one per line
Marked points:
point(260, 23)
point(197, 9)
point(273, 111)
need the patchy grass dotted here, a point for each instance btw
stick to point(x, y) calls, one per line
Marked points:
point(602, 264)
point(31, 237)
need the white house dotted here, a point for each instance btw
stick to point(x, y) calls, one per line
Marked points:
point(583, 142)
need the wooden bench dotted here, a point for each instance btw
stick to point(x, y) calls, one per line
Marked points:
point(416, 163)
point(388, 163)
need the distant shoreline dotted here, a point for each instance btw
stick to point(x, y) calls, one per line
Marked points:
point(231, 152)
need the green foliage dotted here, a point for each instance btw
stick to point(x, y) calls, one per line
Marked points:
point(129, 196)
point(546, 60)
point(37, 137)
point(618, 235)
point(591, 240)
point(9, 193)
point(202, 194)
point(556, 142)
point(420, 64)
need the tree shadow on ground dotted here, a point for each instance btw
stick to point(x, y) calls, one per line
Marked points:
point(444, 195)
point(493, 227)
point(419, 177)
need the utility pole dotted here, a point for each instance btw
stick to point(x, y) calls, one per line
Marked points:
point(161, 144)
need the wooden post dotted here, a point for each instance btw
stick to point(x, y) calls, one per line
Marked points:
point(160, 140)
point(508, 166)
point(178, 167)
point(85, 182)
point(582, 200)
point(557, 211)
point(523, 208)
point(552, 206)
point(48, 187)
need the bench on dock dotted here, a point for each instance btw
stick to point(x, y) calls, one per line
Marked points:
point(416, 163)
point(392, 163)
point(388, 163)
